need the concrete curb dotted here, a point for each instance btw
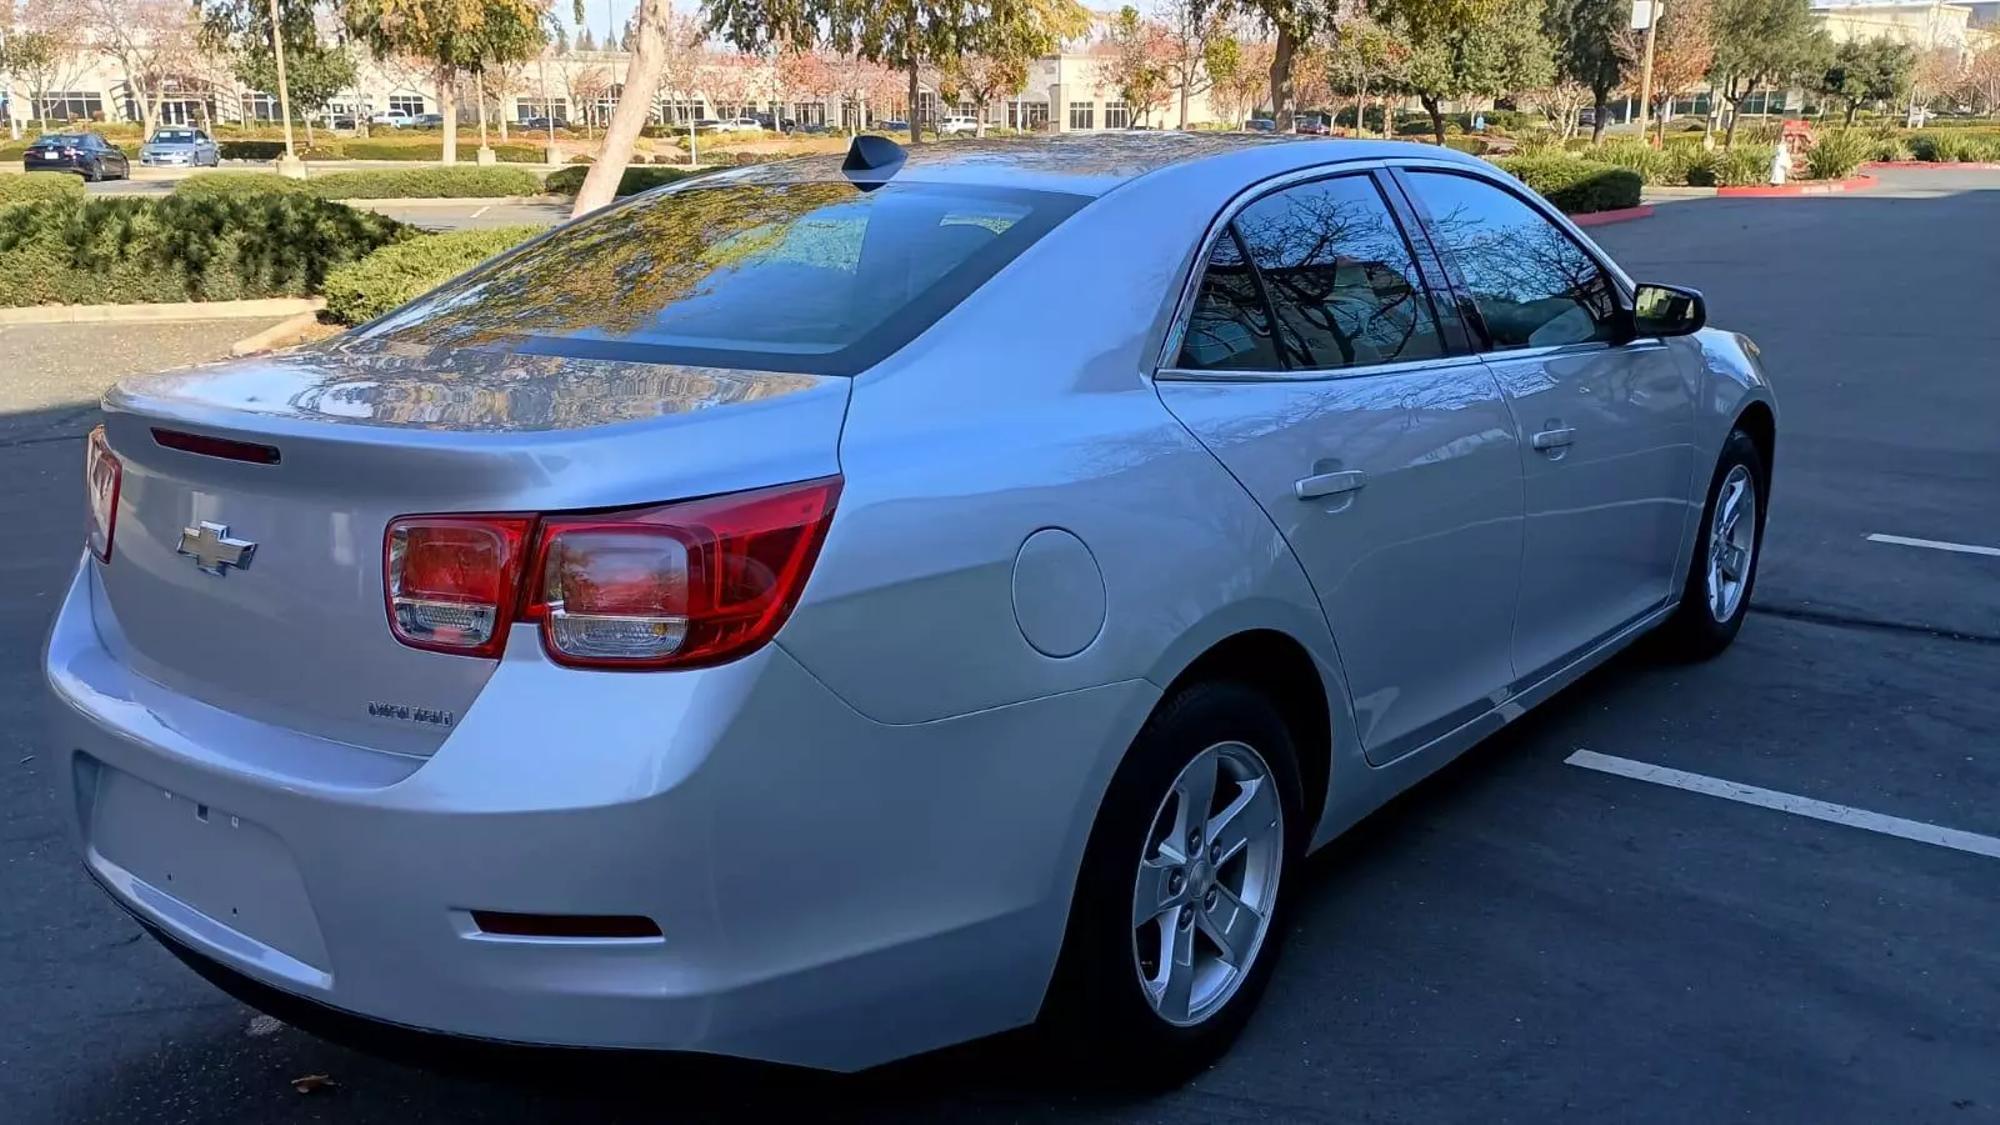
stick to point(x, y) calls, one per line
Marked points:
point(452, 201)
point(168, 311)
point(1936, 165)
point(1809, 187)
point(270, 337)
point(1621, 215)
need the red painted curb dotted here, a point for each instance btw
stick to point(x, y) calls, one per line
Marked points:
point(1808, 187)
point(1600, 218)
point(1975, 165)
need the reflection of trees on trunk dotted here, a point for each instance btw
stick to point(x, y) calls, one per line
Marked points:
point(612, 274)
point(1339, 274)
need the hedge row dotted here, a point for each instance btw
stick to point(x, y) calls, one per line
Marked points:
point(363, 290)
point(114, 250)
point(637, 178)
point(1575, 186)
point(450, 182)
point(377, 148)
point(33, 187)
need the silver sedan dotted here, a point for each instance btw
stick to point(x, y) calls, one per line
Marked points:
point(180, 146)
point(829, 610)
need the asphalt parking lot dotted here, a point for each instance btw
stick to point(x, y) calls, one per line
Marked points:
point(1520, 938)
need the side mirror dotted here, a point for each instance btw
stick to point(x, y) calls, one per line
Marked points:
point(1667, 310)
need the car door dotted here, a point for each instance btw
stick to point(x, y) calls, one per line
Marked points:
point(1607, 420)
point(1315, 366)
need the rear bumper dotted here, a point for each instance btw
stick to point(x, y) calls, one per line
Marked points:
point(832, 892)
point(58, 164)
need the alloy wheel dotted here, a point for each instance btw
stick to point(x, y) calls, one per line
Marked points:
point(1732, 542)
point(1207, 883)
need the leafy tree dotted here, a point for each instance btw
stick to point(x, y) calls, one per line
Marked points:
point(1982, 78)
point(151, 40)
point(1295, 23)
point(1867, 71)
point(1498, 50)
point(1192, 27)
point(1367, 57)
point(999, 50)
point(1240, 84)
point(452, 37)
point(1761, 43)
point(315, 71)
point(1137, 66)
point(1683, 51)
point(1585, 37)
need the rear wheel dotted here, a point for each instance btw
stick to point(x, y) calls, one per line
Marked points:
point(1716, 595)
point(1180, 902)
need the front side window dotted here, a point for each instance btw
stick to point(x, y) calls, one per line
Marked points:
point(1532, 284)
point(1339, 275)
point(816, 277)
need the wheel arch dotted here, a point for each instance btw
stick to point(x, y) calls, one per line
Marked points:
point(1757, 420)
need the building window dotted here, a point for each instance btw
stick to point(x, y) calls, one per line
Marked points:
point(1083, 115)
point(809, 113)
point(927, 103)
point(410, 105)
point(679, 111)
point(528, 109)
point(1027, 115)
point(75, 105)
point(259, 107)
point(1117, 115)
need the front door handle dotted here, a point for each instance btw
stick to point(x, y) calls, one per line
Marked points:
point(1329, 484)
point(1554, 439)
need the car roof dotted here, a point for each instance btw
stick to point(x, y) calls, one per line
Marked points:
point(1095, 163)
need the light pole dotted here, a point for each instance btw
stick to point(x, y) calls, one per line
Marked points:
point(1646, 65)
point(288, 164)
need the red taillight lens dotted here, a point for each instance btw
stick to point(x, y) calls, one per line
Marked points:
point(101, 476)
point(681, 585)
point(451, 580)
point(674, 586)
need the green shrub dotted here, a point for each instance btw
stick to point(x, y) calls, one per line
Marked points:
point(1650, 163)
point(33, 187)
point(1888, 145)
point(395, 274)
point(1744, 165)
point(450, 182)
point(637, 178)
point(429, 148)
point(1689, 164)
point(1576, 186)
point(251, 150)
point(110, 250)
point(1471, 145)
point(1954, 146)
point(1836, 153)
point(1540, 142)
point(236, 185)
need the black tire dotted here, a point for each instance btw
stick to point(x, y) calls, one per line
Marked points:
point(1097, 1018)
point(1694, 632)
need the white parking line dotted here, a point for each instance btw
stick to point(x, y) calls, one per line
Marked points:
point(1785, 802)
point(1935, 544)
point(482, 210)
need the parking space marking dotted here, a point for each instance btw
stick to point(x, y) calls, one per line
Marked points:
point(1917, 830)
point(1935, 544)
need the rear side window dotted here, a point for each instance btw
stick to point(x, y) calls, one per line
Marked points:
point(821, 277)
point(1339, 274)
point(1533, 285)
point(1230, 328)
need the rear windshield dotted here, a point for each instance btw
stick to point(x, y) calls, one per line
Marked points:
point(59, 140)
point(174, 137)
point(823, 277)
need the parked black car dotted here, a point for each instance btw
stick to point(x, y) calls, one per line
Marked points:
point(541, 123)
point(87, 154)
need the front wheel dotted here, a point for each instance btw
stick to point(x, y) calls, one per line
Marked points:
point(1716, 595)
point(1179, 905)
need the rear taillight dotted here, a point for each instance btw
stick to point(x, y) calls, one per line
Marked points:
point(673, 586)
point(101, 477)
point(452, 581)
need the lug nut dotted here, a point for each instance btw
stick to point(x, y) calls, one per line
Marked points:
point(1208, 900)
point(1187, 917)
point(1175, 881)
point(1194, 840)
point(1215, 853)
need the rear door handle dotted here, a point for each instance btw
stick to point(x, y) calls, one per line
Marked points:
point(1554, 439)
point(1329, 484)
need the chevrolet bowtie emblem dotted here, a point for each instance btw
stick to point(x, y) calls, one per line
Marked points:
point(212, 549)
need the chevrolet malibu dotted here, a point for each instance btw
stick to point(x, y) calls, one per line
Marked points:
point(824, 611)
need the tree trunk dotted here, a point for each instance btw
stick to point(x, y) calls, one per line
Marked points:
point(1599, 98)
point(479, 92)
point(600, 184)
point(1729, 136)
point(1433, 107)
point(916, 127)
point(145, 105)
point(1281, 78)
point(1851, 107)
point(1184, 101)
point(1388, 117)
point(448, 108)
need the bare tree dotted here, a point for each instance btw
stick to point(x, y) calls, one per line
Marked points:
point(1191, 27)
point(47, 51)
point(584, 84)
point(149, 39)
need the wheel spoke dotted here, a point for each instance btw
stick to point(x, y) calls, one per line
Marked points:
point(1231, 925)
point(1252, 813)
point(1196, 790)
point(1176, 969)
point(1156, 893)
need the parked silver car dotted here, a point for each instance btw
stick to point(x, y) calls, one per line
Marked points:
point(823, 611)
point(179, 146)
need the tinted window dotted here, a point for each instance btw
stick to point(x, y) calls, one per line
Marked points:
point(174, 136)
point(1339, 275)
point(813, 277)
point(1231, 325)
point(1533, 285)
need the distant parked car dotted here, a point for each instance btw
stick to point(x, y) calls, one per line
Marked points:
point(737, 125)
point(1312, 125)
point(706, 125)
point(179, 146)
point(342, 121)
point(544, 123)
point(428, 121)
point(393, 120)
point(958, 123)
point(1261, 125)
point(87, 154)
point(894, 125)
